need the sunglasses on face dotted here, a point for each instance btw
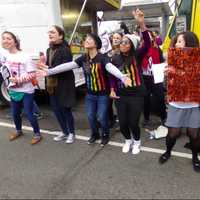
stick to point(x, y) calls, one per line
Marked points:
point(125, 42)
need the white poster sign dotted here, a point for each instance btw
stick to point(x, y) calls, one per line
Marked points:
point(106, 44)
point(158, 72)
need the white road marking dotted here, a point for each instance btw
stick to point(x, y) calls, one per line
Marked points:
point(112, 143)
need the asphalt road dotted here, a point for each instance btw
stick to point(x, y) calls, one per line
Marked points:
point(53, 170)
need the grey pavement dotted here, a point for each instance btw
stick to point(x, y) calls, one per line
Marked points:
point(53, 170)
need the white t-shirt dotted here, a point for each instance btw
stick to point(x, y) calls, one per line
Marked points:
point(19, 65)
point(184, 105)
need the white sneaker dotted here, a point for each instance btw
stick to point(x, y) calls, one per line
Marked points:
point(136, 147)
point(60, 137)
point(70, 138)
point(127, 146)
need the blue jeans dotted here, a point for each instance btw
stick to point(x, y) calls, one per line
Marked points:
point(97, 111)
point(27, 104)
point(36, 109)
point(63, 115)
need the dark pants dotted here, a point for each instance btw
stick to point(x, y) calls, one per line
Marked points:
point(27, 103)
point(129, 110)
point(111, 115)
point(158, 91)
point(63, 115)
point(36, 109)
point(97, 110)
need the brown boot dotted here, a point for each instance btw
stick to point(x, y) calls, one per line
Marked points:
point(14, 136)
point(36, 139)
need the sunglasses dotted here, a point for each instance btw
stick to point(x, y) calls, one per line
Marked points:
point(125, 42)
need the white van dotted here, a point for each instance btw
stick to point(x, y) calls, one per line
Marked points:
point(30, 21)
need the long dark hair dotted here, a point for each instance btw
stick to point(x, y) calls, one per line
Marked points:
point(128, 59)
point(17, 41)
point(191, 39)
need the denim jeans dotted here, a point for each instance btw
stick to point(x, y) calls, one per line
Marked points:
point(27, 104)
point(63, 115)
point(36, 109)
point(97, 111)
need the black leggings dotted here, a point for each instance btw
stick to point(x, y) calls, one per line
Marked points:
point(158, 91)
point(193, 134)
point(129, 110)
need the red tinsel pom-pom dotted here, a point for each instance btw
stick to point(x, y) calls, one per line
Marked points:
point(183, 82)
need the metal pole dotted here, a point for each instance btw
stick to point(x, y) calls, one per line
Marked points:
point(77, 22)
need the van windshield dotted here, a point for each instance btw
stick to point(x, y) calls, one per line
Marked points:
point(70, 11)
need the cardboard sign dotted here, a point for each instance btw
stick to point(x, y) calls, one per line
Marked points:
point(106, 44)
point(183, 78)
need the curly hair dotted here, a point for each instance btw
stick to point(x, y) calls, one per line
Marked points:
point(191, 39)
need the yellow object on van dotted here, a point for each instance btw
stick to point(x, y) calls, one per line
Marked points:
point(186, 18)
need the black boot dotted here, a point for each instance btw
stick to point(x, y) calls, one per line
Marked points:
point(93, 138)
point(187, 145)
point(196, 164)
point(170, 142)
point(195, 160)
point(104, 140)
point(195, 147)
point(164, 157)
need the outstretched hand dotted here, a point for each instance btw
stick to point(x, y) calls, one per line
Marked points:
point(127, 81)
point(13, 80)
point(139, 16)
point(113, 95)
point(42, 66)
point(41, 73)
point(169, 69)
point(42, 70)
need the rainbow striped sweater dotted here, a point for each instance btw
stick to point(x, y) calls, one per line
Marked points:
point(131, 65)
point(96, 76)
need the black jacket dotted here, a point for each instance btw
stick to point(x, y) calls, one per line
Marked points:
point(65, 90)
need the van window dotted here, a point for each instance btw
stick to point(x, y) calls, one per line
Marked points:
point(182, 21)
point(70, 12)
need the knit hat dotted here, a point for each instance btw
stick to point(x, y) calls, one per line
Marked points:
point(97, 40)
point(134, 39)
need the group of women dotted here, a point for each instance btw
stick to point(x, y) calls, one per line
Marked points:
point(124, 74)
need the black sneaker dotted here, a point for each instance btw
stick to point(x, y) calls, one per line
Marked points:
point(164, 158)
point(38, 115)
point(196, 165)
point(104, 140)
point(93, 139)
point(187, 145)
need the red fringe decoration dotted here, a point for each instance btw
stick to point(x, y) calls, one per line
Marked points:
point(183, 80)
